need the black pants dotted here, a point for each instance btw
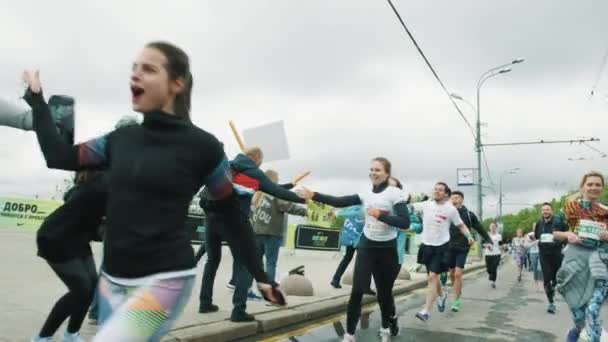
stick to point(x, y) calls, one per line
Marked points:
point(215, 233)
point(201, 251)
point(550, 264)
point(383, 265)
point(80, 276)
point(492, 262)
point(350, 252)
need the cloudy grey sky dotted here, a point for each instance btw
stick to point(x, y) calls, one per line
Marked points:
point(342, 75)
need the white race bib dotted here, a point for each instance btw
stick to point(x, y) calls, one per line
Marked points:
point(374, 224)
point(546, 238)
point(590, 229)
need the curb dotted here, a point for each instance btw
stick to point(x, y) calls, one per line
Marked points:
point(283, 318)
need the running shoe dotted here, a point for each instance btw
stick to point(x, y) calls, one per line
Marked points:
point(456, 305)
point(75, 337)
point(208, 308)
point(335, 284)
point(551, 308)
point(519, 278)
point(241, 316)
point(441, 302)
point(42, 339)
point(384, 334)
point(423, 316)
point(231, 286)
point(493, 285)
point(252, 296)
point(348, 338)
point(573, 334)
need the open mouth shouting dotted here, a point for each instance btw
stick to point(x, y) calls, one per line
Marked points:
point(136, 93)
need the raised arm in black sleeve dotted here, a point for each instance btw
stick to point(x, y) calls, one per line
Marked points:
point(287, 186)
point(337, 202)
point(479, 228)
point(57, 152)
point(273, 189)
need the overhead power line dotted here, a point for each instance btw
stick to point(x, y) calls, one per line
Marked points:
point(428, 63)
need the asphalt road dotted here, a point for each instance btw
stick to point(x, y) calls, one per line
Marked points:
point(513, 312)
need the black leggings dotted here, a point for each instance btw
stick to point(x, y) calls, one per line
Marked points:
point(492, 262)
point(200, 253)
point(350, 252)
point(383, 265)
point(80, 276)
point(550, 263)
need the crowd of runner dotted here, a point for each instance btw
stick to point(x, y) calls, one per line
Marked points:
point(139, 180)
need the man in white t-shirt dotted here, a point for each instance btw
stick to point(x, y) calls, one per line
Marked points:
point(437, 216)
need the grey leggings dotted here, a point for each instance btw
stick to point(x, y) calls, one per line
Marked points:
point(13, 116)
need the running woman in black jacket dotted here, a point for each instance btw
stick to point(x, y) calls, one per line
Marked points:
point(154, 170)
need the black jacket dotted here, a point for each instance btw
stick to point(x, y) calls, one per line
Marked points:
point(457, 239)
point(66, 233)
point(154, 169)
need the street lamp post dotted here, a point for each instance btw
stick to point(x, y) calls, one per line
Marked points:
point(478, 145)
point(502, 176)
point(499, 70)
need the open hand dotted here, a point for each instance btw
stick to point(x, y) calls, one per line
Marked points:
point(305, 193)
point(373, 212)
point(32, 79)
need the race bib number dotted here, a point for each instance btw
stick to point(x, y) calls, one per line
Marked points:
point(590, 229)
point(376, 225)
point(546, 238)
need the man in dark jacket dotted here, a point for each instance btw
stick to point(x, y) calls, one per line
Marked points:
point(268, 219)
point(247, 178)
point(459, 246)
point(550, 251)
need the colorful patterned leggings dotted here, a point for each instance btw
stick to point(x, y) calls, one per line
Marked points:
point(589, 315)
point(140, 313)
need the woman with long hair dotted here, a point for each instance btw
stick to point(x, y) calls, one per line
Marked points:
point(386, 213)
point(582, 276)
point(154, 169)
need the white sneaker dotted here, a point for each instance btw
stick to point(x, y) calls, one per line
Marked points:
point(385, 334)
point(348, 338)
point(75, 337)
point(42, 339)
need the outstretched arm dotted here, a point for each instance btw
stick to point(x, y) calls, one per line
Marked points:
point(273, 189)
point(475, 224)
point(58, 153)
point(292, 208)
point(338, 202)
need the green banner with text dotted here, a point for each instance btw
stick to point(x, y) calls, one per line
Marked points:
point(25, 213)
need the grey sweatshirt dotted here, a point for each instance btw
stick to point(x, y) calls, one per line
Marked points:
point(268, 217)
point(581, 267)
